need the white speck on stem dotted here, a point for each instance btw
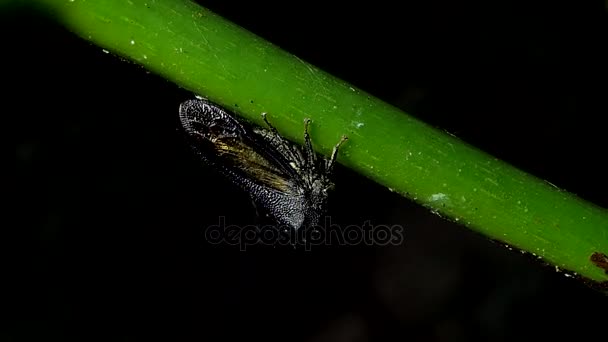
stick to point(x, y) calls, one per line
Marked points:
point(438, 197)
point(132, 42)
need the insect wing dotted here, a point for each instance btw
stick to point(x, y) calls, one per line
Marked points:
point(225, 143)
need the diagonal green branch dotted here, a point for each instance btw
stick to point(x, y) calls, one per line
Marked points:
point(208, 55)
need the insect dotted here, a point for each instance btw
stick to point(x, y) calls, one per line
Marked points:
point(290, 183)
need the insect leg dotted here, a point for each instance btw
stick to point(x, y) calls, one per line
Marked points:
point(294, 154)
point(334, 154)
point(310, 153)
point(271, 127)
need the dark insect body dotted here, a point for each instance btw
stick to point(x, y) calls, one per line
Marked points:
point(288, 181)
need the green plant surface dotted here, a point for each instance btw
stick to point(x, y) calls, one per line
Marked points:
point(202, 52)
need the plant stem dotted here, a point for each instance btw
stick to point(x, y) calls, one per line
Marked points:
point(200, 51)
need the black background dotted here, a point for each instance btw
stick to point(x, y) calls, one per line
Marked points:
point(113, 204)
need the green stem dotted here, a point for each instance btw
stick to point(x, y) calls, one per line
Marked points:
point(210, 56)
